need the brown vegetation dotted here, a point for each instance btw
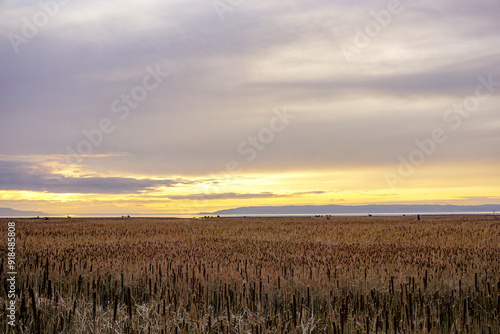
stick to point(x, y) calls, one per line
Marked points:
point(257, 275)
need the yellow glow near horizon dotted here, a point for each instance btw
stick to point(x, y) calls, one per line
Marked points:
point(432, 184)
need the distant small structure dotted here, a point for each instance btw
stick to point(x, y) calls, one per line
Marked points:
point(46, 218)
point(69, 217)
point(418, 217)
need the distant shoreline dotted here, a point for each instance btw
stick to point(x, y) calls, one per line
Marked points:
point(197, 216)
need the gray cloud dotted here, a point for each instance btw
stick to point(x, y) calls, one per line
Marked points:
point(222, 88)
point(233, 195)
point(33, 177)
point(454, 79)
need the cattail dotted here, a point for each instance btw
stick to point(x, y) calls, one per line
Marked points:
point(115, 308)
point(308, 298)
point(129, 300)
point(425, 280)
point(33, 305)
point(93, 305)
point(49, 290)
point(22, 310)
point(228, 311)
point(428, 311)
point(386, 320)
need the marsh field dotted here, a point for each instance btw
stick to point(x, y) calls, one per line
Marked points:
point(255, 275)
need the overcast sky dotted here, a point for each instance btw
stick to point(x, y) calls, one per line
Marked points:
point(193, 105)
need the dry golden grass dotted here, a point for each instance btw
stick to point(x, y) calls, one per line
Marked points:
point(257, 275)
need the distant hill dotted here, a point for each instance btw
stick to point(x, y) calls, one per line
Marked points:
point(353, 209)
point(8, 212)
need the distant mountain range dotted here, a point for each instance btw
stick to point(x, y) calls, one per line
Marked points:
point(8, 212)
point(354, 209)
